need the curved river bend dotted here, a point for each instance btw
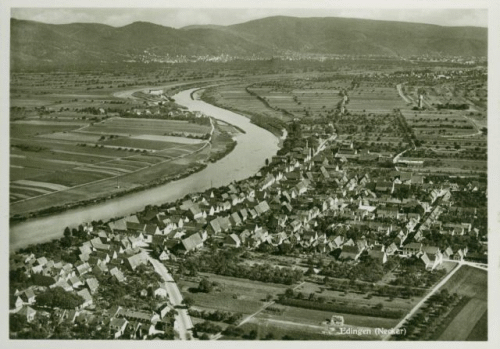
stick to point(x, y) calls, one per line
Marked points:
point(249, 155)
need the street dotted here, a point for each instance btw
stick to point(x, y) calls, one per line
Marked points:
point(183, 322)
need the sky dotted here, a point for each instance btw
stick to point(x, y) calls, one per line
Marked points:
point(180, 17)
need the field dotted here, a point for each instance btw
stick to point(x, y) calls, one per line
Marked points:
point(70, 143)
point(471, 322)
point(49, 153)
point(249, 297)
point(236, 97)
point(234, 294)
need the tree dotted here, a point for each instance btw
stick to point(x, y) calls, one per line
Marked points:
point(67, 232)
point(269, 297)
point(205, 286)
point(16, 322)
point(58, 297)
point(269, 336)
point(188, 301)
point(252, 334)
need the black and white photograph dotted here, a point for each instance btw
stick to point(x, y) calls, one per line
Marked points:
point(259, 171)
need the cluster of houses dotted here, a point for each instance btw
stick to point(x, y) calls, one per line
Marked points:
point(105, 254)
point(281, 205)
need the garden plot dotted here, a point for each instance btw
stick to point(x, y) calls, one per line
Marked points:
point(73, 136)
point(169, 139)
point(36, 184)
point(137, 127)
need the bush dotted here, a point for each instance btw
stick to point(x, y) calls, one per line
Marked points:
point(58, 297)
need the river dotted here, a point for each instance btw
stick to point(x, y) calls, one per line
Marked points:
point(249, 155)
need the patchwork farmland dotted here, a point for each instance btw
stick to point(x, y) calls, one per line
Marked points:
point(51, 157)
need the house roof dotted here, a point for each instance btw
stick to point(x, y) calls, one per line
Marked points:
point(117, 322)
point(137, 259)
point(235, 238)
point(425, 258)
point(150, 229)
point(26, 311)
point(413, 245)
point(430, 249)
point(84, 293)
point(92, 283)
point(192, 242)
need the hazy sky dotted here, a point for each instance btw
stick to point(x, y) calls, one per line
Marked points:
point(180, 17)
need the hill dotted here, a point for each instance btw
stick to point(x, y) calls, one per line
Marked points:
point(35, 43)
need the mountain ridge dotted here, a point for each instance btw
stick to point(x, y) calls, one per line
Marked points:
point(35, 43)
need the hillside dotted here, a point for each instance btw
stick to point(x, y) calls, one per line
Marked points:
point(35, 43)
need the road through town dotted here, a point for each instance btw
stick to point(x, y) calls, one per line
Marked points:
point(183, 320)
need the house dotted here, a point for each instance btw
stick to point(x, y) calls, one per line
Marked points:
point(164, 255)
point(379, 256)
point(384, 187)
point(350, 252)
point(432, 261)
point(232, 240)
point(160, 292)
point(391, 249)
point(163, 310)
point(412, 248)
point(117, 273)
point(119, 226)
point(235, 219)
point(87, 298)
point(41, 261)
point(138, 315)
point(262, 207)
point(64, 284)
point(195, 212)
point(448, 253)
point(27, 312)
point(460, 254)
point(118, 326)
point(75, 282)
point(28, 296)
point(83, 269)
point(15, 303)
point(136, 260)
point(191, 243)
point(244, 214)
point(214, 226)
point(92, 284)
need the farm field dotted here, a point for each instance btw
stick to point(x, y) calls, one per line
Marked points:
point(352, 298)
point(139, 127)
point(235, 97)
point(56, 157)
point(60, 153)
point(247, 297)
point(471, 321)
point(234, 294)
point(316, 317)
